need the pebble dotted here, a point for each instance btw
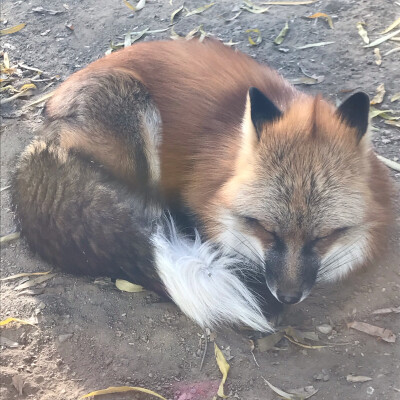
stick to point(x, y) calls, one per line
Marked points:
point(325, 329)
point(63, 338)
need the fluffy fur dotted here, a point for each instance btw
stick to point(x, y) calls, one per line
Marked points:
point(283, 188)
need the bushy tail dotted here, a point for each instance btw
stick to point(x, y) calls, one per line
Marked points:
point(76, 216)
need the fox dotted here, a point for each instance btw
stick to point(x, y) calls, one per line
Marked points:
point(193, 170)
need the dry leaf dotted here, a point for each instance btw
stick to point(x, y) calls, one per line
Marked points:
point(10, 237)
point(282, 34)
point(127, 40)
point(42, 10)
point(389, 163)
point(253, 8)
point(306, 346)
point(385, 334)
point(395, 50)
point(396, 96)
point(21, 275)
point(299, 336)
point(392, 26)
point(325, 16)
point(289, 3)
point(11, 319)
point(393, 123)
point(175, 13)
point(268, 342)
point(362, 32)
point(223, 367)
point(319, 44)
point(8, 343)
point(383, 39)
point(122, 389)
point(13, 29)
point(199, 10)
point(395, 310)
point(296, 394)
point(126, 286)
point(174, 35)
point(41, 99)
point(374, 112)
point(258, 38)
point(357, 379)
point(6, 61)
point(378, 58)
point(18, 383)
point(234, 17)
point(34, 281)
point(230, 43)
point(380, 94)
point(31, 292)
point(138, 6)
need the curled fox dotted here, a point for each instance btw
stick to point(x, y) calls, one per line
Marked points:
point(193, 170)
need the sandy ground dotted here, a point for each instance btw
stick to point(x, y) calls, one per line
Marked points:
point(89, 335)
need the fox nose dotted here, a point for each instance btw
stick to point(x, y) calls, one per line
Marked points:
point(289, 297)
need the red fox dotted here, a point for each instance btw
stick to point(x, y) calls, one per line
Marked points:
point(195, 171)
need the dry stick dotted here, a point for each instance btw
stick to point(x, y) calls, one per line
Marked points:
point(10, 237)
point(390, 163)
point(204, 351)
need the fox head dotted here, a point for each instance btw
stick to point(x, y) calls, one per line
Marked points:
point(299, 204)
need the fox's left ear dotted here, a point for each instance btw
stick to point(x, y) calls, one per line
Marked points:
point(354, 112)
point(259, 110)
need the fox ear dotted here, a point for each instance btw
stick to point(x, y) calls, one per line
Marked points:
point(262, 109)
point(354, 112)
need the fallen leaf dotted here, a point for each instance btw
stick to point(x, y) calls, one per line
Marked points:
point(42, 10)
point(199, 10)
point(380, 94)
point(306, 346)
point(393, 123)
point(31, 292)
point(18, 383)
point(8, 343)
point(389, 163)
point(10, 237)
point(385, 334)
point(268, 342)
point(396, 96)
point(11, 319)
point(319, 44)
point(395, 50)
point(13, 29)
point(357, 379)
point(41, 99)
point(296, 394)
point(6, 61)
point(258, 38)
point(392, 26)
point(21, 275)
point(223, 367)
point(34, 281)
point(395, 310)
point(126, 286)
point(234, 17)
point(138, 6)
point(374, 112)
point(378, 58)
point(383, 39)
point(323, 15)
point(289, 3)
point(174, 35)
point(299, 335)
point(122, 389)
point(307, 79)
point(282, 34)
point(362, 32)
point(175, 13)
point(230, 43)
point(127, 40)
point(253, 8)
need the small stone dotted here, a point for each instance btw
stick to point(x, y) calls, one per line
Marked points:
point(63, 338)
point(326, 329)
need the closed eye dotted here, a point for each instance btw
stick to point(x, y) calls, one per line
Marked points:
point(332, 235)
point(255, 223)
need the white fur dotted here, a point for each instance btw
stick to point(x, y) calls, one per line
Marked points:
point(202, 282)
point(342, 259)
point(233, 240)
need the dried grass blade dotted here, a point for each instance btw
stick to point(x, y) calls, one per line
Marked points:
point(199, 10)
point(122, 389)
point(389, 163)
point(391, 27)
point(23, 274)
point(13, 29)
point(377, 42)
point(282, 34)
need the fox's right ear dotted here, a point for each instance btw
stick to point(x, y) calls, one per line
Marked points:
point(259, 110)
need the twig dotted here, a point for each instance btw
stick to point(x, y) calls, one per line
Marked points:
point(30, 68)
point(5, 188)
point(204, 351)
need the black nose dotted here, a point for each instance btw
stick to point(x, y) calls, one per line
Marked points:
point(288, 297)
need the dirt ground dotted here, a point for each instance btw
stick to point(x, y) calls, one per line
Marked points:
point(90, 335)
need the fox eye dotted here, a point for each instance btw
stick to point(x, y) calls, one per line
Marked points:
point(332, 235)
point(255, 223)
